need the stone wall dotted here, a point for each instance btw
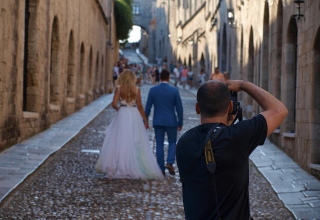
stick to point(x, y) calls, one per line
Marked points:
point(56, 57)
point(264, 44)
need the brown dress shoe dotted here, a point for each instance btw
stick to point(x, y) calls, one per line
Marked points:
point(170, 169)
point(164, 173)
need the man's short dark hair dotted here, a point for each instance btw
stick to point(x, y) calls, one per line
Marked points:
point(213, 98)
point(164, 75)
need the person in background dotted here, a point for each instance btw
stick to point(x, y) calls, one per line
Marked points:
point(115, 71)
point(176, 75)
point(157, 75)
point(190, 77)
point(216, 75)
point(145, 73)
point(171, 67)
point(184, 75)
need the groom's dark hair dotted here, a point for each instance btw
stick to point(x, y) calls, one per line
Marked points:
point(164, 75)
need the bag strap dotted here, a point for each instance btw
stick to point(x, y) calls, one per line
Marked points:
point(214, 131)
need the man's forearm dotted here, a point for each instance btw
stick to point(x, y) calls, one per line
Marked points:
point(275, 111)
point(261, 96)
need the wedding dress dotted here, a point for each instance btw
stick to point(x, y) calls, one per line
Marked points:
point(126, 152)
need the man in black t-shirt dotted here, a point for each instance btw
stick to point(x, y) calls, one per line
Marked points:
point(231, 150)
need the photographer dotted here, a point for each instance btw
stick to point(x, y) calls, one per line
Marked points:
point(223, 194)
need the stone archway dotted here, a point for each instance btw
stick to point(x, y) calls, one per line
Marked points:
point(31, 87)
point(71, 83)
point(54, 64)
point(315, 137)
point(276, 55)
point(190, 62)
point(250, 74)
point(96, 78)
point(83, 77)
point(89, 86)
point(290, 75)
point(80, 99)
point(264, 71)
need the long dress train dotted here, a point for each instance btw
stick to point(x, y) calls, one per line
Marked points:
point(126, 151)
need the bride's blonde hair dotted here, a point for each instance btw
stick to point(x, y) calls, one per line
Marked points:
point(127, 79)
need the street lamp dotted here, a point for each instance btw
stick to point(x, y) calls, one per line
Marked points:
point(230, 16)
point(299, 15)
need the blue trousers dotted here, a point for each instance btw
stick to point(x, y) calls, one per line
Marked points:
point(172, 139)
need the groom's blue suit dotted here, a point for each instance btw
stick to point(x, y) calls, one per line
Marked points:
point(167, 117)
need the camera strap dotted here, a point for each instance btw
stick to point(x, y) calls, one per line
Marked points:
point(206, 148)
point(214, 131)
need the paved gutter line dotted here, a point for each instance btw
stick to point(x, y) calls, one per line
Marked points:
point(44, 144)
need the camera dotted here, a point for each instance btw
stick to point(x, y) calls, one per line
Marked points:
point(237, 110)
point(234, 100)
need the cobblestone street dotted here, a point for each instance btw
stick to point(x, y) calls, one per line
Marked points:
point(67, 186)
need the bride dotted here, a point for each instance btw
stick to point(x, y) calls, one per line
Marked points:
point(126, 151)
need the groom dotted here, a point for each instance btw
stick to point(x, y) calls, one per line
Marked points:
point(167, 102)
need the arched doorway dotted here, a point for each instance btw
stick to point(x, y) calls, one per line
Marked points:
point(316, 101)
point(70, 77)
point(203, 65)
point(277, 55)
point(54, 63)
point(82, 72)
point(80, 99)
point(101, 86)
point(289, 90)
point(31, 94)
point(250, 73)
point(96, 78)
point(264, 71)
point(89, 95)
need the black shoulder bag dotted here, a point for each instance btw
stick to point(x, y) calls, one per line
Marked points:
point(206, 149)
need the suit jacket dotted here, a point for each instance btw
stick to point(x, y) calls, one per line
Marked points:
point(167, 102)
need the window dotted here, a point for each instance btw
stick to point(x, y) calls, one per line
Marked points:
point(136, 8)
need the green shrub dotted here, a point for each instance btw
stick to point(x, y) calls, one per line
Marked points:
point(123, 17)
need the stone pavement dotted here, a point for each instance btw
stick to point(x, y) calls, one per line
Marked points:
point(299, 191)
point(66, 185)
point(22, 159)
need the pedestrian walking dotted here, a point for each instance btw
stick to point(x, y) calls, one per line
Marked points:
point(157, 75)
point(190, 77)
point(167, 118)
point(184, 75)
point(115, 71)
point(176, 74)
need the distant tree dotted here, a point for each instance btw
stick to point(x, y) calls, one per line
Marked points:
point(123, 17)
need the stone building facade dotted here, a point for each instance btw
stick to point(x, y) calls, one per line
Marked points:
point(262, 42)
point(143, 15)
point(56, 57)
